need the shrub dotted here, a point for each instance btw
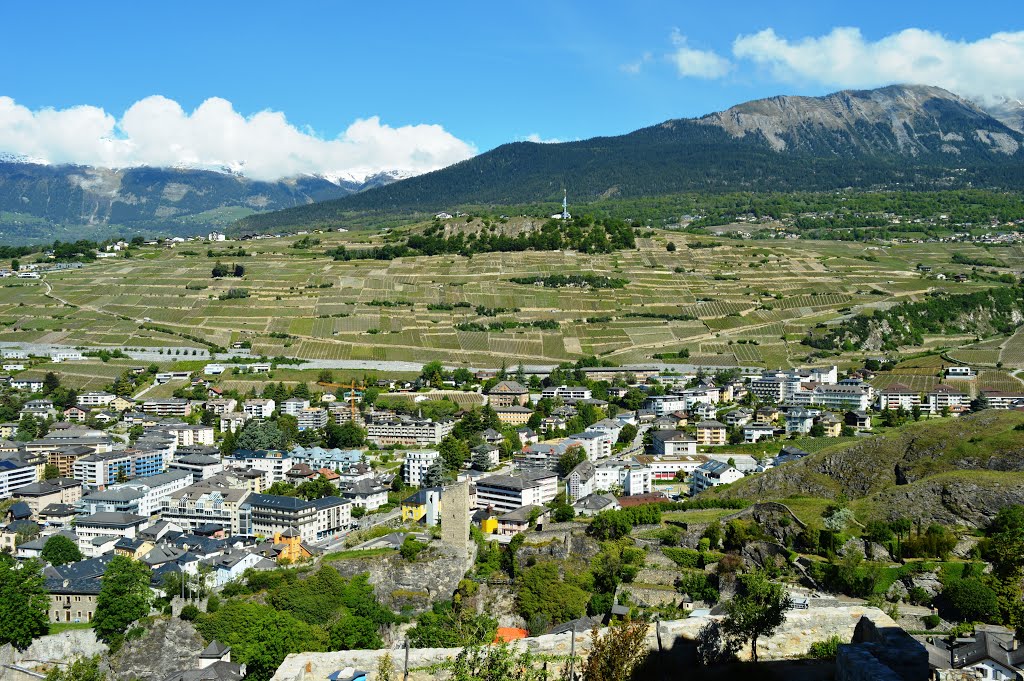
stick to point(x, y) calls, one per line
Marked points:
point(931, 621)
point(189, 613)
point(825, 650)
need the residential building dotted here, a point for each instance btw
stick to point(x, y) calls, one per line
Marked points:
point(312, 418)
point(744, 463)
point(187, 435)
point(519, 519)
point(215, 501)
point(673, 443)
point(171, 406)
point(366, 493)
point(713, 474)
point(221, 406)
point(833, 424)
point(665, 404)
point(314, 520)
point(943, 397)
point(199, 466)
point(667, 467)
point(637, 479)
point(898, 396)
point(508, 492)
point(799, 421)
point(960, 372)
point(233, 422)
point(14, 476)
point(139, 497)
point(508, 393)
point(596, 445)
point(39, 495)
point(567, 393)
point(95, 399)
point(32, 385)
point(108, 524)
point(424, 505)
point(711, 433)
point(758, 431)
point(593, 504)
point(260, 409)
point(580, 481)
point(408, 431)
point(610, 427)
point(293, 405)
point(998, 399)
point(842, 397)
point(513, 415)
point(273, 462)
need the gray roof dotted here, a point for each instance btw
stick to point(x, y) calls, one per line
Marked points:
point(596, 502)
point(111, 519)
point(585, 469)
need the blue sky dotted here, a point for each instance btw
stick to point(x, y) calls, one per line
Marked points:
point(486, 73)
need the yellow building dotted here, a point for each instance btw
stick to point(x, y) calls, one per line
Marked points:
point(289, 546)
point(513, 415)
point(711, 433)
point(422, 506)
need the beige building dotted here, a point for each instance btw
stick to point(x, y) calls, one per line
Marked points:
point(711, 433)
point(39, 495)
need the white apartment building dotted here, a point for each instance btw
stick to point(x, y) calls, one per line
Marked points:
point(667, 467)
point(95, 399)
point(14, 476)
point(293, 406)
point(567, 393)
point(172, 406)
point(842, 397)
point(222, 405)
point(188, 435)
point(665, 404)
point(596, 445)
point(944, 397)
point(213, 501)
point(408, 431)
point(233, 422)
point(274, 463)
point(312, 418)
point(259, 409)
point(416, 464)
point(713, 474)
point(506, 493)
point(898, 396)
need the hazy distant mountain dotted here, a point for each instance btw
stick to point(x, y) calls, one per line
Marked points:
point(43, 202)
point(897, 136)
point(1010, 112)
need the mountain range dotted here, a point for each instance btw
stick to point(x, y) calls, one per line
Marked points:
point(69, 202)
point(900, 136)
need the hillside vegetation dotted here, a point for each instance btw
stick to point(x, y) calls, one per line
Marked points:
point(958, 471)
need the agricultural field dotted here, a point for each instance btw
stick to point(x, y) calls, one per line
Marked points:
point(738, 302)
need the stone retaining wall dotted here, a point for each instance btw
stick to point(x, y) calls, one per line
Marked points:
point(802, 628)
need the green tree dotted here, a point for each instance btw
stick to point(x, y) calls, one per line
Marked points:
point(972, 600)
point(454, 453)
point(24, 603)
point(124, 598)
point(59, 550)
point(50, 382)
point(434, 475)
point(541, 589)
point(260, 435)
point(82, 669)
point(617, 654)
point(355, 633)
point(347, 435)
point(50, 471)
point(758, 609)
point(627, 434)
point(572, 457)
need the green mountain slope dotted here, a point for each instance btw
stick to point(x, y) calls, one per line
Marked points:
point(911, 136)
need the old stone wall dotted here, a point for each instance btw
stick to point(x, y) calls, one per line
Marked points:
point(802, 628)
point(47, 650)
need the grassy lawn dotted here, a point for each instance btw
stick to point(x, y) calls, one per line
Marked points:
point(67, 626)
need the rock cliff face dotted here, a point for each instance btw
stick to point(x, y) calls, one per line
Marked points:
point(958, 471)
point(400, 584)
point(169, 645)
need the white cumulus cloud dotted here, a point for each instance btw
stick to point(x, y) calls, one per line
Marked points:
point(694, 63)
point(537, 139)
point(156, 131)
point(986, 69)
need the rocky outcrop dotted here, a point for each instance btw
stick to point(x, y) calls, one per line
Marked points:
point(400, 584)
point(169, 645)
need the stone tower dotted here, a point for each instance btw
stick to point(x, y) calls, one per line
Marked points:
point(455, 515)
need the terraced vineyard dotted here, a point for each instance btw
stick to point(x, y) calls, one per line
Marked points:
point(738, 303)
